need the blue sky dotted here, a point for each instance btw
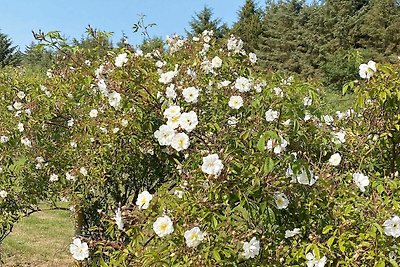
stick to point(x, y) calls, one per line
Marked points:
point(19, 17)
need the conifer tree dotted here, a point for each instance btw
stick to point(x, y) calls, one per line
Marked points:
point(8, 52)
point(204, 21)
point(249, 25)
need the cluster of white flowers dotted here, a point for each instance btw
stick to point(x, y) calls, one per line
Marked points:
point(175, 43)
point(235, 45)
point(166, 134)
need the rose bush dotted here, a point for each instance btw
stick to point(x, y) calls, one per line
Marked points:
point(196, 157)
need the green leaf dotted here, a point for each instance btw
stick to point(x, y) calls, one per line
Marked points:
point(261, 143)
point(327, 229)
point(216, 255)
point(330, 241)
point(268, 165)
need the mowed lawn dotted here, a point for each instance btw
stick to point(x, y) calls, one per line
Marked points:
point(42, 239)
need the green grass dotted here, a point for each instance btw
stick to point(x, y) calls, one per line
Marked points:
point(41, 239)
point(335, 101)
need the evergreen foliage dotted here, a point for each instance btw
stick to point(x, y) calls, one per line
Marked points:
point(8, 53)
point(204, 20)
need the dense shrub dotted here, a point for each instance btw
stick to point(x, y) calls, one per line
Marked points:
point(194, 158)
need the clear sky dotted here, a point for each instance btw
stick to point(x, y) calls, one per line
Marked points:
point(19, 17)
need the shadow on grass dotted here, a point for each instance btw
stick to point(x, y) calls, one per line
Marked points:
point(42, 239)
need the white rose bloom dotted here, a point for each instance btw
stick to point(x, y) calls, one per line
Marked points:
point(73, 144)
point(335, 159)
point(278, 91)
point(4, 139)
point(53, 178)
point(70, 177)
point(167, 77)
point(121, 59)
point(83, 171)
point(271, 115)
point(252, 248)
point(235, 102)
point(93, 113)
point(163, 226)
point(206, 66)
point(194, 237)
point(79, 250)
point(21, 95)
point(3, 194)
point(164, 135)
point(234, 44)
point(172, 112)
point(190, 94)
point(252, 58)
point(102, 87)
point(339, 137)
point(180, 142)
point(278, 148)
point(20, 127)
point(313, 262)
point(143, 200)
point(70, 122)
point(303, 178)
point(118, 219)
point(212, 165)
point(26, 142)
point(360, 180)
point(17, 105)
point(160, 64)
point(114, 99)
point(307, 101)
point(170, 92)
point(232, 121)
point(124, 122)
point(216, 62)
point(281, 201)
point(291, 233)
point(224, 84)
point(188, 121)
point(392, 226)
point(366, 71)
point(173, 122)
point(242, 84)
point(328, 119)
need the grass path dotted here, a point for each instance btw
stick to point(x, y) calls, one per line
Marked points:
point(40, 240)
